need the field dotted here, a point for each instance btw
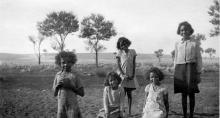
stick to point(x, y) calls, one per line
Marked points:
point(25, 91)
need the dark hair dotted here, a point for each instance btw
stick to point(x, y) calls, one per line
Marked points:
point(186, 24)
point(123, 39)
point(65, 54)
point(157, 71)
point(114, 75)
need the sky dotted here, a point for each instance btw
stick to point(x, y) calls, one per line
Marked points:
point(149, 24)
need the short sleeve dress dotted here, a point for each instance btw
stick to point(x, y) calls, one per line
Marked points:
point(154, 106)
point(127, 67)
point(67, 100)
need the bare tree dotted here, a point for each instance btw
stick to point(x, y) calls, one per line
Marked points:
point(37, 46)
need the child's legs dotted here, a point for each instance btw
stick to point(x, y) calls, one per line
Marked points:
point(192, 103)
point(128, 92)
point(184, 104)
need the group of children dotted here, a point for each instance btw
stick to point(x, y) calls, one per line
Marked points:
point(122, 82)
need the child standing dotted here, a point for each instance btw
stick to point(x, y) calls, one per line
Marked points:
point(188, 64)
point(113, 98)
point(126, 61)
point(67, 86)
point(156, 105)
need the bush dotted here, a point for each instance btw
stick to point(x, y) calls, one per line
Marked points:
point(100, 73)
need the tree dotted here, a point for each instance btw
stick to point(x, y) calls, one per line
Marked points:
point(58, 25)
point(159, 54)
point(210, 51)
point(96, 28)
point(214, 12)
point(37, 46)
point(199, 37)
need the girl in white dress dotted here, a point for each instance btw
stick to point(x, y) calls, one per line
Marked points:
point(156, 104)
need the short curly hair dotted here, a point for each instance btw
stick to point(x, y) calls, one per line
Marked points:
point(155, 70)
point(122, 39)
point(65, 54)
point(114, 75)
point(188, 25)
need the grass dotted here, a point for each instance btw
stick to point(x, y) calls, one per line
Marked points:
point(29, 94)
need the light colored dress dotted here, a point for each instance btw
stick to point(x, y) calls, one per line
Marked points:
point(154, 106)
point(113, 101)
point(127, 66)
point(67, 100)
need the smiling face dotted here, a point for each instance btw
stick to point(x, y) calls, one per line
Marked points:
point(154, 78)
point(113, 82)
point(124, 45)
point(66, 64)
point(184, 31)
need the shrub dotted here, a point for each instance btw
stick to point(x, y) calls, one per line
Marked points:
point(100, 73)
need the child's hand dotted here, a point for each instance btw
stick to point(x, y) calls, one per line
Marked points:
point(130, 78)
point(60, 84)
point(67, 83)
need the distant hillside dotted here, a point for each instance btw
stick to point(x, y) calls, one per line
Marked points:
point(83, 58)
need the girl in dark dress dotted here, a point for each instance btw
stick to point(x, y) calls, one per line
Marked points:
point(188, 63)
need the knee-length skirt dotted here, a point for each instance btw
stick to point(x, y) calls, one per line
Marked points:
point(185, 78)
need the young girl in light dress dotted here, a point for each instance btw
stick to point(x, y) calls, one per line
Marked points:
point(113, 98)
point(156, 96)
point(67, 86)
point(126, 61)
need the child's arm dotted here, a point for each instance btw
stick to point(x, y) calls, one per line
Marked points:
point(175, 55)
point(134, 65)
point(119, 65)
point(146, 90)
point(166, 103)
point(106, 102)
point(79, 91)
point(55, 88)
point(145, 98)
point(78, 88)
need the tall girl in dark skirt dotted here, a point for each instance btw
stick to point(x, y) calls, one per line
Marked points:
point(188, 64)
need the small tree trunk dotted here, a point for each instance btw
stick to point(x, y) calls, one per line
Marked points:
point(39, 56)
point(39, 61)
point(96, 58)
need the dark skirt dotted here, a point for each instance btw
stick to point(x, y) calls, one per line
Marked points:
point(185, 78)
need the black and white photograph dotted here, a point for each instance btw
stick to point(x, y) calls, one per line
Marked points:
point(109, 58)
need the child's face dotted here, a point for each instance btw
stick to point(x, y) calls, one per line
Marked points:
point(113, 82)
point(66, 64)
point(123, 45)
point(184, 31)
point(154, 78)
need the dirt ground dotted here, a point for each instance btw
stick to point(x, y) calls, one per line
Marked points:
point(29, 95)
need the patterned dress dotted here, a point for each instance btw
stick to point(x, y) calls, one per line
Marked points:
point(127, 66)
point(154, 106)
point(67, 100)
